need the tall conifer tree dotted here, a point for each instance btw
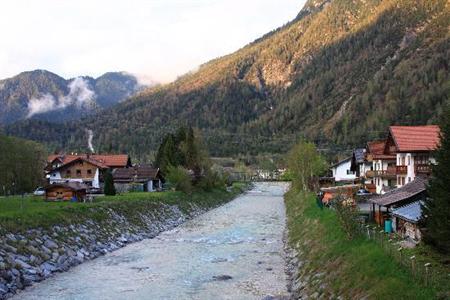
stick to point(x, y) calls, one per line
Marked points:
point(436, 209)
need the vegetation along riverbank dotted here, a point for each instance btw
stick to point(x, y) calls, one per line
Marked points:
point(332, 259)
point(38, 238)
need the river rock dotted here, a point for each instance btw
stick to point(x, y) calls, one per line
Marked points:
point(50, 244)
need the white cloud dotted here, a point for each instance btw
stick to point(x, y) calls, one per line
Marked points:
point(159, 38)
point(79, 95)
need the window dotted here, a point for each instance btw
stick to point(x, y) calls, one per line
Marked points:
point(409, 160)
point(89, 172)
point(349, 172)
point(409, 179)
point(78, 172)
point(403, 180)
point(68, 172)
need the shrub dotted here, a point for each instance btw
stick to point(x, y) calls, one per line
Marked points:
point(179, 178)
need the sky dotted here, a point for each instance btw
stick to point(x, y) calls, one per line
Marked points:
point(157, 40)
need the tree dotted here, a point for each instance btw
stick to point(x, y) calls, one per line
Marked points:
point(109, 188)
point(304, 162)
point(436, 208)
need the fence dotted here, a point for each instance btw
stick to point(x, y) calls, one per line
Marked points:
point(422, 271)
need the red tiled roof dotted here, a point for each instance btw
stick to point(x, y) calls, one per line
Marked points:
point(415, 138)
point(376, 147)
point(109, 160)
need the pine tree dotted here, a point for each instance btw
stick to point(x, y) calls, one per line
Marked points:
point(436, 208)
point(109, 189)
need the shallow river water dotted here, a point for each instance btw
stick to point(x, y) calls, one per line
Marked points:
point(232, 252)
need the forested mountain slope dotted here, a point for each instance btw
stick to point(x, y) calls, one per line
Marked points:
point(44, 95)
point(339, 74)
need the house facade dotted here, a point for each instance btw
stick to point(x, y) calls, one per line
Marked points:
point(342, 171)
point(414, 146)
point(87, 169)
point(382, 173)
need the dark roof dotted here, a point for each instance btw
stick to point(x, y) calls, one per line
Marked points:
point(136, 173)
point(76, 186)
point(406, 192)
point(411, 212)
point(341, 162)
point(415, 138)
point(359, 155)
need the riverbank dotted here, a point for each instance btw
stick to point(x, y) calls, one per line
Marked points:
point(324, 264)
point(40, 239)
point(234, 251)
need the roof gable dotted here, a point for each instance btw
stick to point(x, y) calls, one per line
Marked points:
point(415, 138)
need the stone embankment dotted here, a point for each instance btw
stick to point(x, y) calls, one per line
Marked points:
point(36, 254)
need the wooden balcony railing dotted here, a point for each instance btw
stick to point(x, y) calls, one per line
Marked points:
point(423, 169)
point(391, 172)
point(402, 170)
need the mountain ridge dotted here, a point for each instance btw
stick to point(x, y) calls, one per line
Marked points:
point(45, 95)
point(338, 74)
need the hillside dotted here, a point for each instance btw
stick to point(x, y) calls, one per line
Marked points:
point(338, 74)
point(43, 95)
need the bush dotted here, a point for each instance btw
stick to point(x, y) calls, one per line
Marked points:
point(212, 179)
point(178, 178)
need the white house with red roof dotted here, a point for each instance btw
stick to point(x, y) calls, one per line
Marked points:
point(414, 146)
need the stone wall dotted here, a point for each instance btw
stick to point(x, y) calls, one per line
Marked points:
point(36, 254)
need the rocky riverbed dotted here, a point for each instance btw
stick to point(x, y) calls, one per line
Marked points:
point(232, 252)
point(37, 254)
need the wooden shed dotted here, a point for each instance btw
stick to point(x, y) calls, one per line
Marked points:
point(70, 191)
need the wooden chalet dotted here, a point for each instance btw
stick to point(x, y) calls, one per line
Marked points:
point(84, 168)
point(141, 178)
point(69, 191)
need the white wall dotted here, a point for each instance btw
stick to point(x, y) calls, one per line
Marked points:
point(341, 172)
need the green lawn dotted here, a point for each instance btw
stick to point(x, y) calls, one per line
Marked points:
point(17, 213)
point(353, 268)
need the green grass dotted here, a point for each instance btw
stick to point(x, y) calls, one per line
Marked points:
point(353, 268)
point(18, 214)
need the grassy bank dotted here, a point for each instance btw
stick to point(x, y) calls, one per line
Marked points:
point(18, 214)
point(353, 269)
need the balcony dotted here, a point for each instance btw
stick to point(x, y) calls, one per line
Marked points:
point(423, 169)
point(402, 170)
point(391, 172)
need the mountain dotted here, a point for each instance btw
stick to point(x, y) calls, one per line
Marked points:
point(338, 74)
point(43, 95)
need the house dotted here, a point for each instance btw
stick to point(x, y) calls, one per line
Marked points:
point(382, 174)
point(141, 178)
point(71, 191)
point(342, 171)
point(84, 168)
point(405, 220)
point(383, 205)
point(414, 146)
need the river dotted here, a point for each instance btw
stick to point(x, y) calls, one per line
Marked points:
point(232, 252)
